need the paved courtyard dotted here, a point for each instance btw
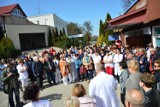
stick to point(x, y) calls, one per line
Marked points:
point(56, 94)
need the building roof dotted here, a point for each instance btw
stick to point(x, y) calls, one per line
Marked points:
point(123, 26)
point(153, 12)
point(7, 9)
point(143, 11)
point(128, 14)
point(132, 7)
point(4, 10)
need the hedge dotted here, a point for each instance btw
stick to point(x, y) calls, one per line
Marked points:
point(7, 49)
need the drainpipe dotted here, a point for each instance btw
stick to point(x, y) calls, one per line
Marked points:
point(4, 27)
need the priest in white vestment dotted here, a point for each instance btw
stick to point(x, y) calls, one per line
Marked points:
point(103, 88)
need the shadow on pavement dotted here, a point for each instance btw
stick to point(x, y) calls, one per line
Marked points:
point(52, 97)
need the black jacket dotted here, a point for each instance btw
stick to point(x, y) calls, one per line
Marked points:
point(152, 98)
point(38, 68)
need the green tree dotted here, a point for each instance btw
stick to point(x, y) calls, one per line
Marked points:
point(103, 33)
point(7, 48)
point(50, 38)
point(73, 29)
point(107, 32)
point(54, 37)
point(101, 28)
point(100, 40)
point(60, 33)
point(108, 18)
point(1, 33)
point(56, 32)
point(64, 33)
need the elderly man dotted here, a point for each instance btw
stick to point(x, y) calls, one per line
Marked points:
point(134, 78)
point(130, 56)
point(38, 68)
point(103, 88)
point(134, 98)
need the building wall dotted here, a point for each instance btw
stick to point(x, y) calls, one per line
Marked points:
point(50, 20)
point(60, 24)
point(15, 20)
point(1, 20)
point(42, 20)
point(14, 30)
point(123, 39)
point(153, 12)
point(138, 17)
point(138, 5)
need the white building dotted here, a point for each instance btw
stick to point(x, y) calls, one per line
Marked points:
point(76, 36)
point(50, 20)
point(24, 34)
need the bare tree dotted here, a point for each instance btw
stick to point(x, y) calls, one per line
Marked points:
point(74, 28)
point(127, 4)
point(87, 29)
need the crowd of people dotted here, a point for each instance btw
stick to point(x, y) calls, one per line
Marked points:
point(136, 70)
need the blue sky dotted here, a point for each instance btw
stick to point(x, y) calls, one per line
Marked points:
point(77, 11)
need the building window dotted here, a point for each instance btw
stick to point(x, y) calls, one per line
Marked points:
point(37, 22)
point(157, 30)
point(46, 22)
point(17, 12)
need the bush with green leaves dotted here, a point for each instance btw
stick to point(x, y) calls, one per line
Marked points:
point(7, 48)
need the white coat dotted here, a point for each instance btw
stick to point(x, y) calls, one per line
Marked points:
point(103, 89)
point(40, 103)
point(117, 59)
point(24, 74)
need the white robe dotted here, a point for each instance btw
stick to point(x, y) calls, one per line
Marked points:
point(72, 75)
point(96, 60)
point(40, 103)
point(103, 89)
point(24, 74)
point(108, 58)
point(57, 73)
point(117, 59)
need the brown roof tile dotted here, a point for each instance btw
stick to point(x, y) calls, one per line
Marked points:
point(7, 9)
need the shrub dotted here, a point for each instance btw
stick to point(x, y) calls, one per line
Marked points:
point(7, 48)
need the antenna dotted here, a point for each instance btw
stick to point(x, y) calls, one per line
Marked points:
point(39, 8)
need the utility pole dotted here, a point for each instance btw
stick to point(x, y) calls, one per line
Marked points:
point(39, 8)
